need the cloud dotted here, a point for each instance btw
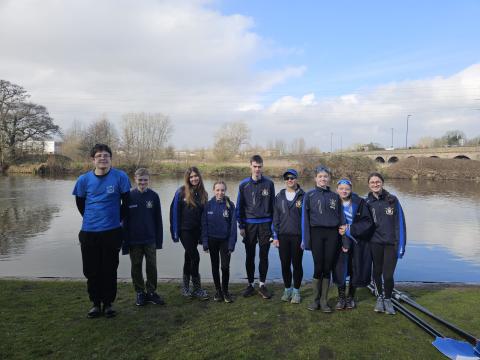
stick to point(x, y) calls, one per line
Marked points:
point(202, 68)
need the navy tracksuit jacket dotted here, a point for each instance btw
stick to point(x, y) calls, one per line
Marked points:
point(287, 215)
point(255, 201)
point(219, 223)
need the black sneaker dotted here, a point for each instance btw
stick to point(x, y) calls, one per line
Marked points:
point(109, 311)
point(94, 312)
point(264, 293)
point(249, 291)
point(140, 301)
point(218, 296)
point(154, 298)
point(350, 303)
point(227, 297)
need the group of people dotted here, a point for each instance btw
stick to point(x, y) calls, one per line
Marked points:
point(347, 235)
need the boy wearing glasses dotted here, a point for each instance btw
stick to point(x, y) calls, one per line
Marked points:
point(144, 235)
point(287, 235)
point(100, 194)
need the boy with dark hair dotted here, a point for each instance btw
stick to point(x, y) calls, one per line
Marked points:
point(100, 194)
point(144, 235)
point(256, 195)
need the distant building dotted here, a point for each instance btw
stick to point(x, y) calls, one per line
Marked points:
point(41, 147)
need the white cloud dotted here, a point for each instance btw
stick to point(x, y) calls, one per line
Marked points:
point(201, 67)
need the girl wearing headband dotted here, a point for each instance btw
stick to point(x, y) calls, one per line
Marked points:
point(354, 260)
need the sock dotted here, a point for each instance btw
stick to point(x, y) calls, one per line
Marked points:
point(252, 284)
point(296, 291)
point(288, 289)
point(261, 283)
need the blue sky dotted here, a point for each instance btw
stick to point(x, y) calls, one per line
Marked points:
point(302, 69)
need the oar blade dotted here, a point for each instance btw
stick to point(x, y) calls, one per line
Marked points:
point(455, 349)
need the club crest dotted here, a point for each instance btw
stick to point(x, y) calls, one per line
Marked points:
point(389, 210)
point(110, 189)
point(298, 204)
point(333, 204)
point(265, 192)
point(149, 204)
point(225, 213)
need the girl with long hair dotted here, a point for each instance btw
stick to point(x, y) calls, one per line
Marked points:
point(185, 226)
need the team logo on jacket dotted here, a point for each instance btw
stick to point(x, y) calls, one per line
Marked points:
point(298, 204)
point(389, 210)
point(333, 204)
point(225, 213)
point(149, 204)
point(110, 189)
point(265, 192)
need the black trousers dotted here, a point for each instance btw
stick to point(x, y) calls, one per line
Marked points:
point(219, 253)
point(291, 254)
point(190, 240)
point(254, 233)
point(326, 245)
point(384, 264)
point(100, 263)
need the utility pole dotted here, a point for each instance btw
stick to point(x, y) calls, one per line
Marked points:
point(341, 143)
point(392, 138)
point(331, 143)
point(406, 133)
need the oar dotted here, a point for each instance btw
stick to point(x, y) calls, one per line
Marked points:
point(470, 338)
point(451, 348)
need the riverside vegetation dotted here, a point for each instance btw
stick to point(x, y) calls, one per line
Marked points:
point(47, 320)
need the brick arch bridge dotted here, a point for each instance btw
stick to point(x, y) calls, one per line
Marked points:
point(392, 156)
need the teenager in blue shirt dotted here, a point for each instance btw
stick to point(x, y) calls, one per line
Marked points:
point(185, 226)
point(388, 240)
point(99, 195)
point(143, 236)
point(219, 235)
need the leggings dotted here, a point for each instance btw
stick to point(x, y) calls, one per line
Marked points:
point(384, 263)
point(291, 254)
point(325, 248)
point(190, 240)
point(219, 253)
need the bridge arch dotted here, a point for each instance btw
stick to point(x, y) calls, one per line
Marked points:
point(411, 157)
point(393, 160)
point(462, 157)
point(380, 159)
point(434, 157)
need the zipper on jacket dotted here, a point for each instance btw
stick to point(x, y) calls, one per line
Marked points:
point(253, 197)
point(319, 203)
point(374, 215)
point(283, 206)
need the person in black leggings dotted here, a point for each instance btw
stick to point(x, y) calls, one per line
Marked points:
point(185, 226)
point(287, 230)
point(388, 240)
point(219, 236)
point(322, 216)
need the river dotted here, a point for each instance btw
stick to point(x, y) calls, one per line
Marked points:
point(39, 227)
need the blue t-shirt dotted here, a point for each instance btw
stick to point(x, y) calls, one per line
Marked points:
point(102, 199)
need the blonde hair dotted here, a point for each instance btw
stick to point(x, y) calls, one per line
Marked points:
point(141, 172)
point(221, 182)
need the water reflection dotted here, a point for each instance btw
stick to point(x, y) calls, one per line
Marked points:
point(39, 226)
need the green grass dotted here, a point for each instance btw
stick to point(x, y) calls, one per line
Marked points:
point(46, 319)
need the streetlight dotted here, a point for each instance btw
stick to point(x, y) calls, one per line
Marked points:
point(406, 133)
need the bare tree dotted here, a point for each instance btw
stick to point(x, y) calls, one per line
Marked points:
point(100, 131)
point(20, 121)
point(144, 136)
point(230, 138)
point(298, 146)
point(72, 140)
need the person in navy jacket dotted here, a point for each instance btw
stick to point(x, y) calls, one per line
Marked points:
point(355, 259)
point(185, 226)
point(287, 234)
point(143, 236)
point(219, 235)
point(256, 195)
point(322, 217)
point(388, 240)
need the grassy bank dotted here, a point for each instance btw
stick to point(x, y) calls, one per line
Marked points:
point(46, 319)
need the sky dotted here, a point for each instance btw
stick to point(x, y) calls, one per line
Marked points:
point(346, 71)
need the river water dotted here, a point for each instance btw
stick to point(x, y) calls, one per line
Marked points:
point(39, 227)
